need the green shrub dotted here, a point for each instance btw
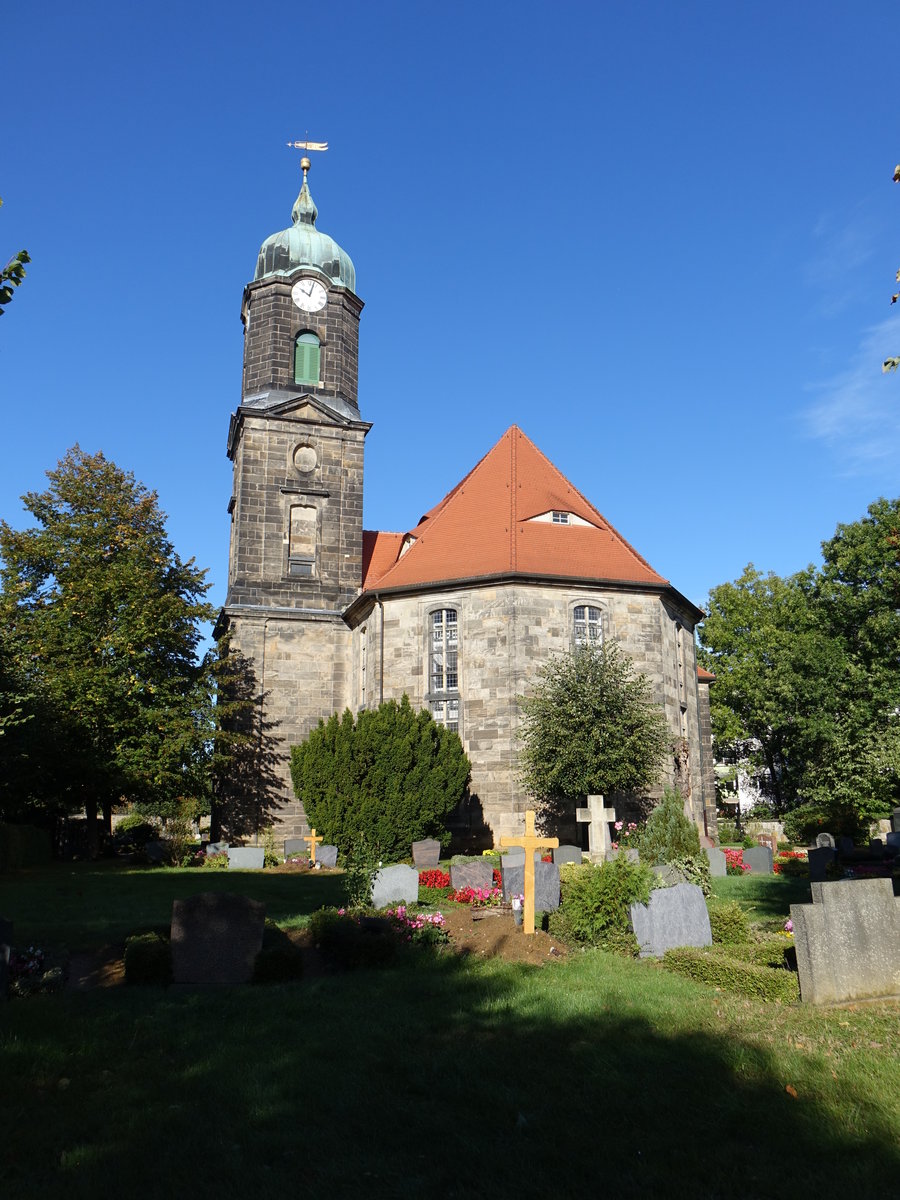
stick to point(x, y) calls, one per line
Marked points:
point(668, 834)
point(360, 868)
point(719, 969)
point(279, 960)
point(595, 902)
point(271, 857)
point(771, 951)
point(802, 824)
point(728, 921)
point(137, 825)
point(695, 869)
point(24, 846)
point(353, 939)
point(728, 832)
point(390, 773)
point(148, 959)
point(217, 861)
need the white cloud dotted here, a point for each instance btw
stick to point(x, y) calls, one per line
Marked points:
point(858, 411)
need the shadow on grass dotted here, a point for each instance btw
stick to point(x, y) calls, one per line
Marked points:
point(86, 905)
point(437, 1077)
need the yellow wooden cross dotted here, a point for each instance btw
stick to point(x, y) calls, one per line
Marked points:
point(313, 840)
point(530, 842)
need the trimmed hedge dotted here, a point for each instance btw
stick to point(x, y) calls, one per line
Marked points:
point(23, 846)
point(718, 968)
point(770, 952)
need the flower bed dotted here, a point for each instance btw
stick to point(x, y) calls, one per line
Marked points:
point(435, 878)
point(734, 862)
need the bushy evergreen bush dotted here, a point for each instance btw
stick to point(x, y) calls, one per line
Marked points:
point(803, 824)
point(148, 959)
point(668, 834)
point(595, 902)
point(390, 773)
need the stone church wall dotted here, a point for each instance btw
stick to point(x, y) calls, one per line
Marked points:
point(506, 632)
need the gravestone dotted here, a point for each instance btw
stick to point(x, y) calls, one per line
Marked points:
point(848, 941)
point(216, 848)
point(820, 859)
point(398, 884)
point(769, 840)
point(825, 839)
point(516, 857)
point(216, 937)
point(426, 854)
point(718, 863)
point(845, 845)
point(473, 873)
point(565, 854)
point(597, 817)
point(6, 937)
point(294, 847)
point(546, 884)
point(246, 858)
point(876, 848)
point(630, 853)
point(327, 855)
point(895, 820)
point(156, 852)
point(892, 840)
point(675, 916)
point(669, 875)
point(759, 860)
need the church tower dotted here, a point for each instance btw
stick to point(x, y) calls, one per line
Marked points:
point(296, 442)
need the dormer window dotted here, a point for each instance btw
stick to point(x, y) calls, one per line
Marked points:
point(307, 351)
point(560, 518)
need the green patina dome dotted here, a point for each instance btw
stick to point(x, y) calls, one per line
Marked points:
point(304, 246)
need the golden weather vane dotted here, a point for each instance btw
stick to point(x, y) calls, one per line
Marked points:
point(307, 145)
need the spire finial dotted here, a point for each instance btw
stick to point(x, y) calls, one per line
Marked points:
point(304, 210)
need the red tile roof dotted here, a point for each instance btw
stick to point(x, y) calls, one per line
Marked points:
point(485, 527)
point(705, 676)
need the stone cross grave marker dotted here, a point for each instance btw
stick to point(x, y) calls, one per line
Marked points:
point(530, 841)
point(597, 818)
point(313, 841)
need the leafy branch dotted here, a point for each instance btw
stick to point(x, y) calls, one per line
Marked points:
point(12, 275)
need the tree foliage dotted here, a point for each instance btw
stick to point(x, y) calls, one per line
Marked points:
point(808, 669)
point(12, 275)
point(101, 619)
point(589, 727)
point(390, 775)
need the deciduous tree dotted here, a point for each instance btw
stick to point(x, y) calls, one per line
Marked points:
point(590, 727)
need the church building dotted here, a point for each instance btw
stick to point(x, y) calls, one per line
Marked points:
point(458, 611)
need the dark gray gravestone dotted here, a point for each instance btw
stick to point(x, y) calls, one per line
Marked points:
point(759, 860)
point(876, 848)
point(216, 848)
point(156, 852)
point(398, 884)
point(820, 859)
point(892, 841)
point(426, 854)
point(848, 941)
point(845, 845)
point(246, 858)
point(895, 820)
point(6, 937)
point(675, 916)
point(825, 839)
point(216, 937)
point(546, 884)
point(565, 854)
point(327, 855)
point(295, 846)
point(718, 863)
point(473, 873)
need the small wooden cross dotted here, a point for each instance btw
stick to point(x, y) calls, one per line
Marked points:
point(313, 841)
point(530, 842)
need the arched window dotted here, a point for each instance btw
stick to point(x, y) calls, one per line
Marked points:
point(306, 357)
point(587, 625)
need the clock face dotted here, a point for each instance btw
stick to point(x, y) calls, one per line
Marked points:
point(309, 295)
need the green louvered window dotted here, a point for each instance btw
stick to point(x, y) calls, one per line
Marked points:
point(306, 358)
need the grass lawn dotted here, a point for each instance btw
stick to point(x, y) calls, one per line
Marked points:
point(440, 1076)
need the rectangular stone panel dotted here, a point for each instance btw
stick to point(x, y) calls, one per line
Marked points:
point(216, 937)
point(676, 916)
point(546, 884)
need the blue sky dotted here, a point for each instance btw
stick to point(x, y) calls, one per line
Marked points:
point(660, 237)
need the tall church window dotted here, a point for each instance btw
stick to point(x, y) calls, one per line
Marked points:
point(443, 667)
point(307, 352)
point(302, 540)
point(587, 625)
